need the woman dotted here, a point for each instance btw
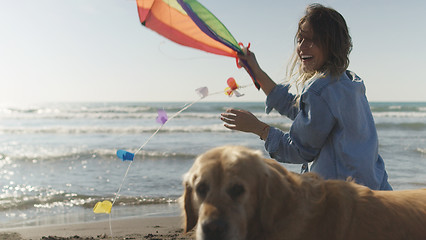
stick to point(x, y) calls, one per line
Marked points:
point(333, 128)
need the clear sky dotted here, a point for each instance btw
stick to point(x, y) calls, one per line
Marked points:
point(97, 50)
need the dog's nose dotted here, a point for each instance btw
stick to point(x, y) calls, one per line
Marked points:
point(215, 229)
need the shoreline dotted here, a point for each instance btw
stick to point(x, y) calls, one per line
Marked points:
point(128, 228)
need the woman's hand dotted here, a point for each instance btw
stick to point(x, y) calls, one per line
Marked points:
point(245, 121)
point(248, 60)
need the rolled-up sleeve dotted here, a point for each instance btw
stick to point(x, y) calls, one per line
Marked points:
point(308, 133)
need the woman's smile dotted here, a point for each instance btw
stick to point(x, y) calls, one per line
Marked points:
point(310, 54)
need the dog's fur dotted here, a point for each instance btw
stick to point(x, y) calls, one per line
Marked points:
point(233, 193)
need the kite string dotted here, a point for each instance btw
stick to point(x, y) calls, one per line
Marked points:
point(116, 197)
point(122, 182)
point(186, 106)
point(141, 147)
point(110, 227)
point(239, 87)
point(146, 142)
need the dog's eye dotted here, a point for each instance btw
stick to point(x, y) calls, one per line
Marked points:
point(202, 189)
point(235, 191)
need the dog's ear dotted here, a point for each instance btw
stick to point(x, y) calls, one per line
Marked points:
point(275, 194)
point(191, 217)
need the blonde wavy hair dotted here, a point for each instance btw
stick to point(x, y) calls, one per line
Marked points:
point(331, 34)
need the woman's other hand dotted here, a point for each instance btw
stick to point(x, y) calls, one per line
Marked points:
point(245, 121)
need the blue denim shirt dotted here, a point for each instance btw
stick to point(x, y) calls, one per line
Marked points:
point(333, 128)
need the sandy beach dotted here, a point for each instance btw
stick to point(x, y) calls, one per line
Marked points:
point(131, 228)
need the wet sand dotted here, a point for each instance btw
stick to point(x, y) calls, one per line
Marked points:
point(133, 228)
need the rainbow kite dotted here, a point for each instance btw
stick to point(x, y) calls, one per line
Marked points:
point(189, 23)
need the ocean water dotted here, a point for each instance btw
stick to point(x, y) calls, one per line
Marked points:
point(57, 160)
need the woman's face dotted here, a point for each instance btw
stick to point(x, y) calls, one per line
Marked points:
point(310, 54)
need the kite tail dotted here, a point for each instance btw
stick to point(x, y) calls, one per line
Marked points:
point(250, 72)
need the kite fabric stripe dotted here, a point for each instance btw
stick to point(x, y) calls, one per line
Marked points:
point(167, 18)
point(214, 28)
point(209, 24)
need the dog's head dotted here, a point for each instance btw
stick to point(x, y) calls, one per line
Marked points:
point(225, 192)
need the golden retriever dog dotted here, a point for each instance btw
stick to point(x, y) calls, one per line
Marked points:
point(233, 193)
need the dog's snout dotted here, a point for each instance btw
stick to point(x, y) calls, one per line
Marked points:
point(215, 229)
